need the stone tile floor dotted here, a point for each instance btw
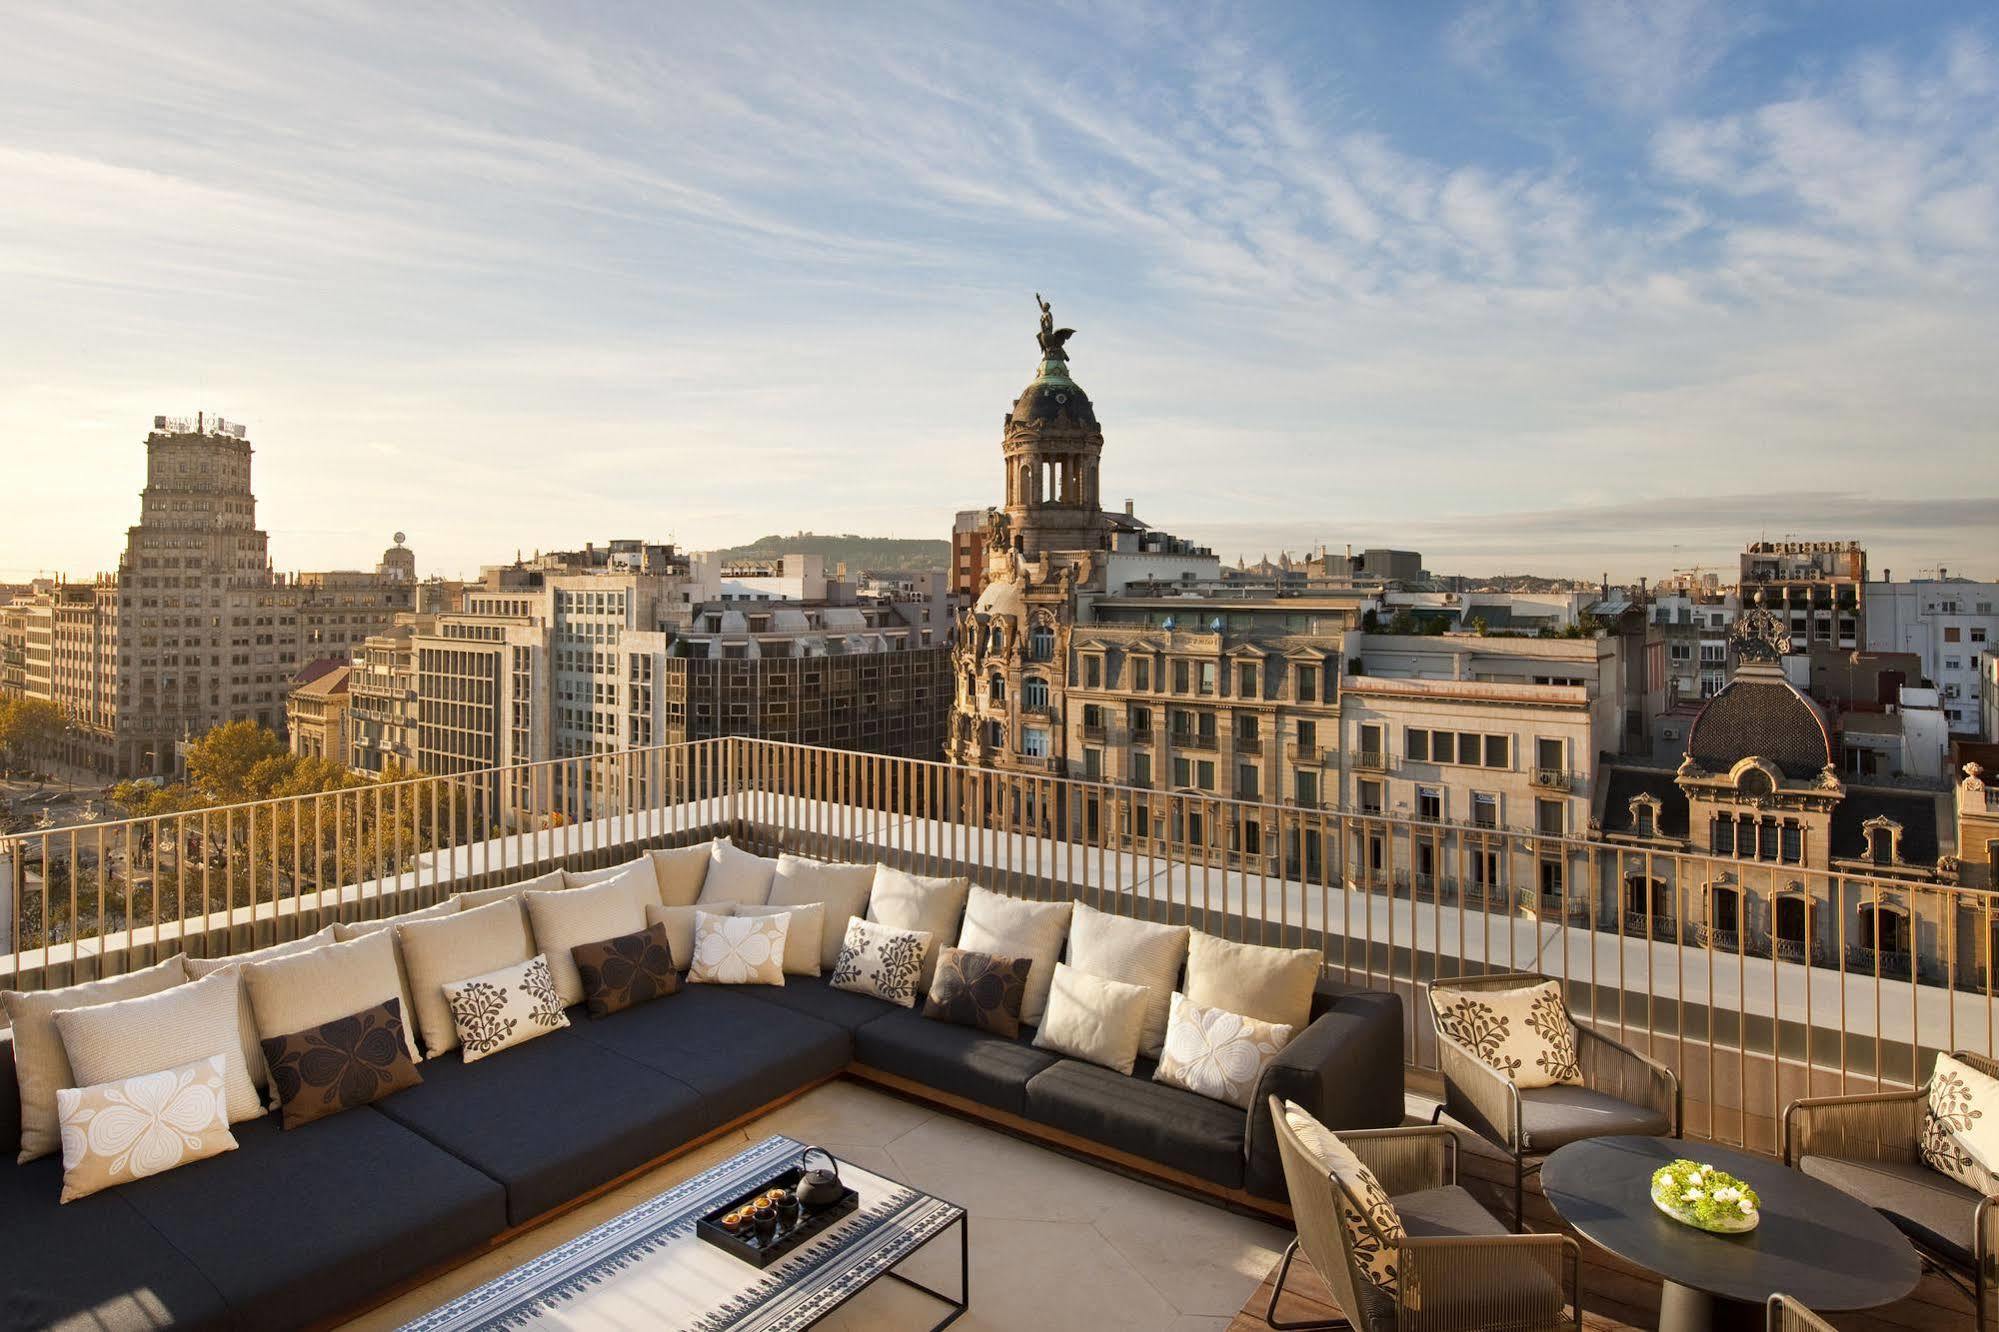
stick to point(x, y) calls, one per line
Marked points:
point(1056, 1243)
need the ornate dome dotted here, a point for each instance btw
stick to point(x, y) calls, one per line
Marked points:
point(1054, 399)
point(1760, 714)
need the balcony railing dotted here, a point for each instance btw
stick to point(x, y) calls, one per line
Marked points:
point(1552, 779)
point(1389, 902)
point(1096, 731)
point(1248, 744)
point(1194, 740)
point(1371, 760)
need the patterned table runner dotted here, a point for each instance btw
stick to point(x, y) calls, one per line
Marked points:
point(648, 1269)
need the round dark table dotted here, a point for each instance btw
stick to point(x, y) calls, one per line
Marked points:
point(1816, 1244)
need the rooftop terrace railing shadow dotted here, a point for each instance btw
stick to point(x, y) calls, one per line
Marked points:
point(1390, 902)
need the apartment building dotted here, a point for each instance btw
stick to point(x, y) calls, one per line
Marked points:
point(195, 629)
point(1816, 588)
point(968, 554)
point(1949, 624)
point(1762, 784)
point(316, 714)
point(382, 713)
point(1695, 625)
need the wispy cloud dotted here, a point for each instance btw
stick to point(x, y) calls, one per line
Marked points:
point(512, 277)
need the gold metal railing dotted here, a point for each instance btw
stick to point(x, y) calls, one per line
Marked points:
point(1391, 902)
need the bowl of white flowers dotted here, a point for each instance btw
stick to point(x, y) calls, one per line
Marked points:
point(1708, 1199)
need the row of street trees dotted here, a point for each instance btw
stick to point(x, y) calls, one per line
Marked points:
point(30, 729)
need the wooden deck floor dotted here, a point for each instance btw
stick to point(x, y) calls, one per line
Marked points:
point(1615, 1294)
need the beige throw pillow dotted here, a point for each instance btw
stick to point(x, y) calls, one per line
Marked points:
point(1217, 1054)
point(801, 935)
point(112, 1042)
point(504, 1008)
point(455, 948)
point(1523, 1034)
point(738, 949)
point(116, 1132)
point(736, 875)
point(584, 878)
point(294, 994)
point(1960, 1133)
point(1003, 926)
point(882, 961)
point(200, 967)
point(842, 888)
point(681, 870)
point(344, 930)
point(1092, 1018)
point(1137, 952)
point(1269, 984)
point(679, 923)
point(931, 906)
point(553, 881)
point(574, 916)
point(1373, 1226)
point(40, 1067)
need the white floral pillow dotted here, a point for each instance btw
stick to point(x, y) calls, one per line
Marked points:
point(882, 961)
point(505, 1008)
point(1960, 1136)
point(116, 1132)
point(739, 950)
point(1215, 1053)
point(1524, 1035)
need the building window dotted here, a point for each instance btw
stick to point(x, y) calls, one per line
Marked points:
point(1034, 741)
point(1246, 781)
point(1141, 769)
point(1041, 643)
point(1207, 677)
point(1306, 785)
point(1548, 817)
point(997, 692)
point(1141, 673)
point(1246, 680)
point(1369, 794)
point(1204, 774)
point(1093, 764)
point(1308, 738)
point(1247, 727)
point(1788, 913)
point(1183, 773)
point(1416, 744)
point(1034, 694)
point(1308, 683)
point(1093, 672)
point(1141, 723)
point(1484, 809)
point(1793, 844)
point(1180, 677)
point(1429, 803)
point(1642, 822)
point(1723, 910)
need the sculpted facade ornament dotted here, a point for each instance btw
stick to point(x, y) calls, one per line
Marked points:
point(1759, 635)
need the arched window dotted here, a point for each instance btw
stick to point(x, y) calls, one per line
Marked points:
point(997, 692)
point(1041, 643)
point(1788, 913)
point(996, 639)
point(1724, 909)
point(1034, 694)
point(1882, 928)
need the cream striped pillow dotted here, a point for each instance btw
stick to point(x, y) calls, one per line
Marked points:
point(1136, 952)
point(190, 1022)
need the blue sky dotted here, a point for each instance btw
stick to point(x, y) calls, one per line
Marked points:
point(1526, 285)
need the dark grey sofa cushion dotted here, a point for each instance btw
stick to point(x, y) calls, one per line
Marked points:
point(297, 1227)
point(96, 1262)
point(977, 1065)
point(1147, 1119)
point(1345, 1067)
point(551, 1118)
point(1930, 1208)
point(812, 996)
point(737, 1053)
point(1552, 1117)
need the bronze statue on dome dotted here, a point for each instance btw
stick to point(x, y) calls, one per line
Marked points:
point(1051, 338)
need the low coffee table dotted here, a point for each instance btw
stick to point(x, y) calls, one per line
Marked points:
point(1816, 1244)
point(647, 1268)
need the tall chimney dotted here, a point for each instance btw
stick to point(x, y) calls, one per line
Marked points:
point(1128, 509)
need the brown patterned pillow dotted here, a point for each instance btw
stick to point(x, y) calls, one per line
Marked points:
point(628, 970)
point(979, 990)
point(340, 1064)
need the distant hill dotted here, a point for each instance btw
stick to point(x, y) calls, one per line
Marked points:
point(887, 554)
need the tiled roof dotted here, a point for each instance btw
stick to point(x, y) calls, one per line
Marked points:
point(1626, 784)
point(1916, 811)
point(1762, 715)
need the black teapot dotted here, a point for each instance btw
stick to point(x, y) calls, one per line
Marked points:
point(818, 1188)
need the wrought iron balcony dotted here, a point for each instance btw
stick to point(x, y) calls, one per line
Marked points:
point(1370, 760)
point(1550, 779)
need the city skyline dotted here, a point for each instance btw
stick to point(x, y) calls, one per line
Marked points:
point(782, 267)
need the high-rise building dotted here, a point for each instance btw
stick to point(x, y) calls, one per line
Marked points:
point(195, 629)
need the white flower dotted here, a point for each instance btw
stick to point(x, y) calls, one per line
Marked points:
point(1692, 1196)
point(1747, 1210)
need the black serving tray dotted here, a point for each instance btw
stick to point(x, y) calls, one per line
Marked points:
point(811, 1222)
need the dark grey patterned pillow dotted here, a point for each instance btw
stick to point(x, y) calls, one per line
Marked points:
point(882, 961)
point(979, 990)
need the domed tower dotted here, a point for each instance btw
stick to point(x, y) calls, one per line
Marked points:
point(1053, 448)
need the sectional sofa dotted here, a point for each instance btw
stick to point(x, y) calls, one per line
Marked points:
point(299, 1227)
